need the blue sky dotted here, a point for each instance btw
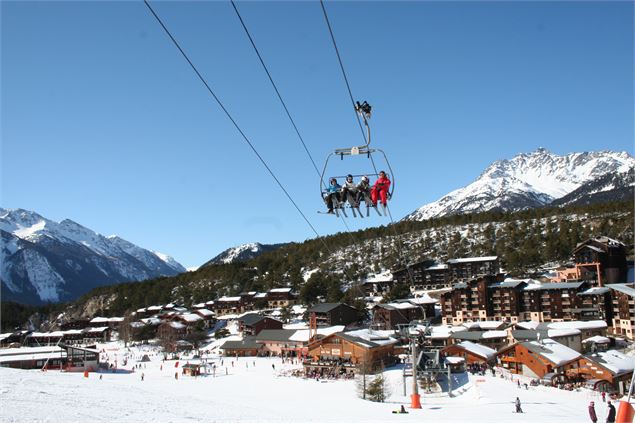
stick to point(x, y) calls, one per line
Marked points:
point(103, 122)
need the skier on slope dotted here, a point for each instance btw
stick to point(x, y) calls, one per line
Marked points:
point(380, 189)
point(594, 417)
point(518, 409)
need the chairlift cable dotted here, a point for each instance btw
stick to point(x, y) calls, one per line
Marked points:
point(286, 109)
point(348, 86)
point(339, 58)
point(262, 62)
point(209, 89)
point(245, 138)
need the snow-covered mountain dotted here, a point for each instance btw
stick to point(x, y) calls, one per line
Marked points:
point(528, 180)
point(43, 260)
point(242, 252)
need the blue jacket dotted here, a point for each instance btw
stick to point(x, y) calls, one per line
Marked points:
point(333, 188)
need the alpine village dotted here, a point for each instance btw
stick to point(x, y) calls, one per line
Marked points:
point(509, 299)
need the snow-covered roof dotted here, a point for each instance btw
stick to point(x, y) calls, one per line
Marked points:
point(494, 334)
point(97, 330)
point(528, 324)
point(472, 259)
point(555, 333)
point(596, 290)
point(229, 299)
point(302, 335)
point(155, 308)
point(384, 276)
point(190, 317)
point(377, 337)
point(204, 312)
point(5, 335)
point(424, 299)
point(554, 285)
point(8, 355)
point(400, 306)
point(614, 361)
point(280, 290)
point(99, 320)
point(261, 295)
point(597, 339)
point(177, 325)
point(591, 324)
point(151, 321)
point(478, 349)
point(444, 332)
point(553, 351)
point(486, 324)
point(199, 305)
point(454, 360)
point(628, 289)
point(437, 267)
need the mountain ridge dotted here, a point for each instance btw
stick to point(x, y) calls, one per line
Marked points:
point(527, 180)
point(43, 260)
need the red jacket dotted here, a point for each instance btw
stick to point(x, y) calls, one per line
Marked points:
point(382, 184)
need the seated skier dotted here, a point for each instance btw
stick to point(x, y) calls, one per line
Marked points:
point(349, 192)
point(363, 191)
point(333, 195)
point(380, 189)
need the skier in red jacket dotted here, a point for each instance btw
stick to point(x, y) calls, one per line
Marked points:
point(380, 189)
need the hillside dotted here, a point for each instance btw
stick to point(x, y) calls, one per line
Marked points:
point(524, 240)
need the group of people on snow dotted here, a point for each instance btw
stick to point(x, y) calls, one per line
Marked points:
point(610, 418)
point(354, 193)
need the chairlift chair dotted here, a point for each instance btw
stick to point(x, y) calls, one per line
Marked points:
point(364, 110)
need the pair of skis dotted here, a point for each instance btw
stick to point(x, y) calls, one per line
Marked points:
point(340, 207)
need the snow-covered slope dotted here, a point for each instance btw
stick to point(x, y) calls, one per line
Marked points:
point(43, 260)
point(527, 180)
point(242, 252)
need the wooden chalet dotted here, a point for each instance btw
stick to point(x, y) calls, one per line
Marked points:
point(333, 314)
point(227, 305)
point(389, 316)
point(493, 339)
point(552, 301)
point(207, 316)
point(246, 347)
point(252, 324)
point(538, 358)
point(75, 324)
point(424, 275)
point(468, 301)
point(571, 338)
point(171, 333)
point(371, 349)
point(111, 322)
point(377, 287)
point(601, 259)
point(279, 342)
point(471, 352)
point(280, 297)
point(607, 370)
point(13, 339)
point(461, 269)
point(623, 310)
